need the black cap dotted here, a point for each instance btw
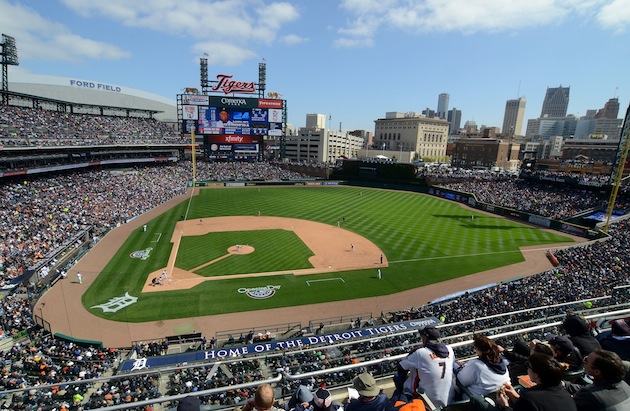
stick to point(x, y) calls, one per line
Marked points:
point(432, 333)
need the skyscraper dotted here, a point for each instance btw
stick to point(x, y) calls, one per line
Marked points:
point(442, 108)
point(556, 102)
point(455, 120)
point(315, 121)
point(610, 110)
point(513, 117)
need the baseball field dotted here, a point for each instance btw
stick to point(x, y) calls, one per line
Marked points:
point(228, 250)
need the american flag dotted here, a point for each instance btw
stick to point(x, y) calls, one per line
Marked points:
point(205, 54)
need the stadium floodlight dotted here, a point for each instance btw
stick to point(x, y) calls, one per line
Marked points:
point(9, 51)
point(9, 58)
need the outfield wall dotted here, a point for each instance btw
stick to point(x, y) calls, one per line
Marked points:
point(558, 225)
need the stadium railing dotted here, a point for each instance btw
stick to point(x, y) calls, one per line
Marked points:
point(287, 377)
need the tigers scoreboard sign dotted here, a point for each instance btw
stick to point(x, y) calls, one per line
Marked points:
point(233, 127)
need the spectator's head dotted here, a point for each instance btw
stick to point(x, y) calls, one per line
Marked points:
point(561, 345)
point(322, 401)
point(604, 365)
point(521, 348)
point(541, 347)
point(486, 348)
point(366, 385)
point(575, 325)
point(430, 334)
point(264, 397)
point(189, 403)
point(303, 395)
point(544, 369)
point(620, 327)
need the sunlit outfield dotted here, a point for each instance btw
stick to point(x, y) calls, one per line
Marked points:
point(426, 240)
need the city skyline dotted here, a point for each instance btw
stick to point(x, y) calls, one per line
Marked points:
point(348, 59)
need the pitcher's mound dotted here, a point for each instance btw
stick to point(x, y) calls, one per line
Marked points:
point(241, 249)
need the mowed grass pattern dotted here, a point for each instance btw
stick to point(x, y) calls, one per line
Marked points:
point(426, 240)
point(197, 250)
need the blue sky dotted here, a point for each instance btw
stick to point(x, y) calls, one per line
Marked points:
point(353, 60)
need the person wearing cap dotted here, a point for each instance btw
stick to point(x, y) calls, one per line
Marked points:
point(189, 403)
point(370, 396)
point(617, 339)
point(608, 392)
point(323, 401)
point(429, 367)
point(488, 372)
point(565, 352)
point(302, 395)
point(578, 330)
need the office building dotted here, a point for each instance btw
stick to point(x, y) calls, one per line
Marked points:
point(482, 153)
point(543, 128)
point(556, 102)
point(316, 144)
point(513, 117)
point(442, 108)
point(397, 136)
point(455, 120)
point(315, 121)
point(610, 110)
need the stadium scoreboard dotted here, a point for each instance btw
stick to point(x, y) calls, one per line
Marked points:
point(232, 127)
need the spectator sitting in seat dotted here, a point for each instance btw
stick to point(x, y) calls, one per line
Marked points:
point(565, 352)
point(618, 338)
point(302, 395)
point(577, 328)
point(370, 396)
point(430, 367)
point(488, 372)
point(548, 393)
point(608, 391)
point(264, 399)
point(517, 358)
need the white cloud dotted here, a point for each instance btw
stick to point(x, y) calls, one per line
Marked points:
point(346, 42)
point(470, 16)
point(615, 15)
point(293, 39)
point(226, 30)
point(223, 53)
point(39, 38)
point(237, 21)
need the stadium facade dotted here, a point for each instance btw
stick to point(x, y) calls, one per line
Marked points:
point(85, 91)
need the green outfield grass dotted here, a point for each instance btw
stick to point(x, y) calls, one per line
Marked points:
point(426, 240)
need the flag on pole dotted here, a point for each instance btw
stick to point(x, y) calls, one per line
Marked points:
point(205, 54)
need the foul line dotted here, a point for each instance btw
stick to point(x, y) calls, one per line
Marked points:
point(308, 282)
point(158, 239)
point(464, 255)
point(192, 193)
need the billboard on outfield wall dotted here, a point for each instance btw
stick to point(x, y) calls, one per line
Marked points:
point(233, 127)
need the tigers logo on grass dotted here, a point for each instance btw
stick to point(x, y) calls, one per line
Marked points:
point(260, 293)
point(141, 254)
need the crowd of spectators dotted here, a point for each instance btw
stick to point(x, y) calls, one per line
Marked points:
point(37, 215)
point(28, 127)
point(539, 198)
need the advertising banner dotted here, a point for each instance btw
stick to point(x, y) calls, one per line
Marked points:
point(272, 346)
